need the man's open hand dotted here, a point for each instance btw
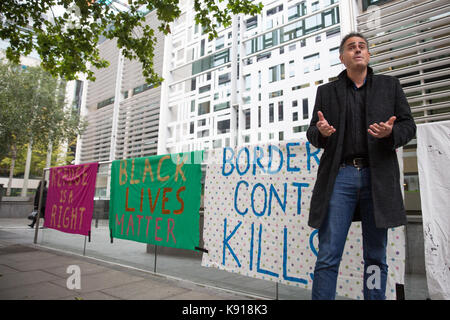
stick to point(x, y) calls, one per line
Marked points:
point(382, 129)
point(325, 129)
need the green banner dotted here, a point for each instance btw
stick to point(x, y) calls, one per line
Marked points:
point(156, 199)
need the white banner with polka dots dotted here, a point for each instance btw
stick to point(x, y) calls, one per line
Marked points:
point(256, 207)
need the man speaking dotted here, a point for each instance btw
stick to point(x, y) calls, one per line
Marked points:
point(359, 120)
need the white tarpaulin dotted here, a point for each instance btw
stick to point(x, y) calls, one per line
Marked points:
point(433, 156)
point(257, 202)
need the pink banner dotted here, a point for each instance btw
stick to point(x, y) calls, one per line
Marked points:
point(70, 198)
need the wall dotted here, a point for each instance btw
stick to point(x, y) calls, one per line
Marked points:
point(16, 207)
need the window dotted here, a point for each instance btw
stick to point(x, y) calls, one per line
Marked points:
point(224, 78)
point(280, 136)
point(217, 143)
point(263, 56)
point(220, 42)
point(334, 56)
point(295, 116)
point(275, 94)
point(203, 108)
point(326, 3)
point(333, 33)
point(223, 126)
point(211, 61)
point(296, 11)
point(142, 88)
point(247, 118)
point(276, 73)
point(315, 6)
point(202, 48)
point(294, 30)
point(271, 113)
point(221, 106)
point(300, 129)
point(104, 103)
point(305, 108)
point(251, 23)
point(280, 111)
point(259, 116)
point(203, 133)
point(302, 86)
point(311, 62)
point(204, 88)
point(275, 10)
point(291, 69)
point(247, 82)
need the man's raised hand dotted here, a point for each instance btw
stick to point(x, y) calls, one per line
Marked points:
point(324, 128)
point(382, 129)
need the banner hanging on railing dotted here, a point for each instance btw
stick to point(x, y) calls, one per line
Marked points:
point(156, 199)
point(433, 157)
point(257, 202)
point(70, 198)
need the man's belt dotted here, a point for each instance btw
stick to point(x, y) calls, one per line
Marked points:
point(357, 162)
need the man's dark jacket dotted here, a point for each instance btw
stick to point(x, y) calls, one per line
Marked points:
point(384, 99)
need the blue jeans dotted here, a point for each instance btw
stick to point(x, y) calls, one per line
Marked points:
point(352, 186)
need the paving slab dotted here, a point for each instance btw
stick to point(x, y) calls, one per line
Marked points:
point(28, 256)
point(101, 281)
point(36, 263)
point(6, 270)
point(123, 270)
point(145, 290)
point(19, 279)
point(35, 291)
point(86, 268)
point(96, 295)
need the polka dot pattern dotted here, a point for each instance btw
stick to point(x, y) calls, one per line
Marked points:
point(261, 229)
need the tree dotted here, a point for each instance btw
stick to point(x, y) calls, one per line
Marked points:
point(68, 44)
point(32, 110)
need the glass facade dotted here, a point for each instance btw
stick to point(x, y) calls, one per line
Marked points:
point(293, 31)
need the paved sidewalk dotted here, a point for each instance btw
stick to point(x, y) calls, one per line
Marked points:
point(28, 272)
point(123, 270)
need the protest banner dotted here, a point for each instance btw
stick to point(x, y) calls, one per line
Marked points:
point(256, 212)
point(156, 199)
point(70, 198)
point(433, 158)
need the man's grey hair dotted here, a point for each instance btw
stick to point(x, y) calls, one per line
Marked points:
point(348, 36)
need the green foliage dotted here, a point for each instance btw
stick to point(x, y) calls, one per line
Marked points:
point(33, 109)
point(38, 160)
point(67, 47)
